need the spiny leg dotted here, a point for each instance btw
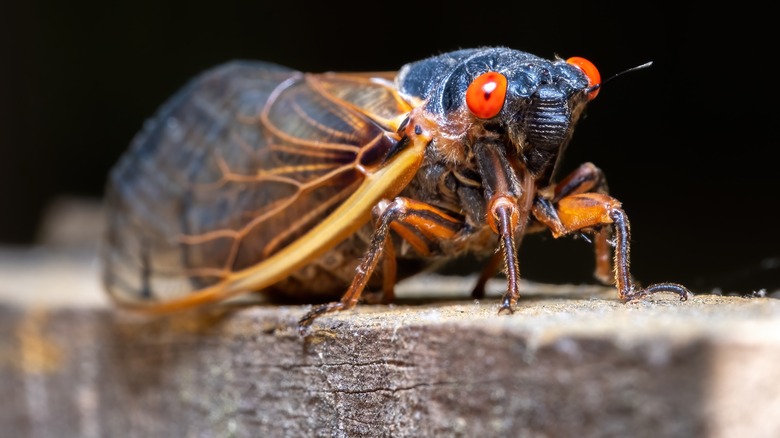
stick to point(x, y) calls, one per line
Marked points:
point(507, 222)
point(490, 269)
point(416, 222)
point(627, 289)
point(591, 211)
point(390, 273)
point(389, 277)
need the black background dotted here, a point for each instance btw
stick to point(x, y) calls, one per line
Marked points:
point(688, 146)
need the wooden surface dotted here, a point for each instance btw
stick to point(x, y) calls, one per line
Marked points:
point(572, 361)
point(563, 365)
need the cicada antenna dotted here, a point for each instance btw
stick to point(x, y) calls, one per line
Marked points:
point(638, 67)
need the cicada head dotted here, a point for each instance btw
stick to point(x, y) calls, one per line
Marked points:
point(531, 104)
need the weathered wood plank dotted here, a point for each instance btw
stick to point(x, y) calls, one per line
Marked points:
point(560, 366)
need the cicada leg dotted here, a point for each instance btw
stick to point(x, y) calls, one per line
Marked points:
point(586, 178)
point(577, 207)
point(416, 222)
point(490, 269)
point(390, 270)
point(589, 178)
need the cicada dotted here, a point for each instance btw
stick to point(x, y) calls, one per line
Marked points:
point(257, 177)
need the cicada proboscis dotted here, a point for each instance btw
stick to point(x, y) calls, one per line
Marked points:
point(258, 177)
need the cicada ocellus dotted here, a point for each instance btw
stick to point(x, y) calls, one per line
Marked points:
point(258, 177)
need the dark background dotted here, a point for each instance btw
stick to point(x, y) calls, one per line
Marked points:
point(688, 146)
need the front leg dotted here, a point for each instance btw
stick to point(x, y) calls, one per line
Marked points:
point(588, 211)
point(586, 178)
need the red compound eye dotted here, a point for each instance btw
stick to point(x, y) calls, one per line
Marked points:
point(485, 96)
point(590, 70)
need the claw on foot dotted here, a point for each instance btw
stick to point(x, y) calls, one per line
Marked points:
point(305, 322)
point(675, 288)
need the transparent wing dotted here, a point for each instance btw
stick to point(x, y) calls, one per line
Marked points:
point(237, 166)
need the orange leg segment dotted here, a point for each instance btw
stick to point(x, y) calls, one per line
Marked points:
point(588, 179)
point(588, 211)
point(417, 222)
